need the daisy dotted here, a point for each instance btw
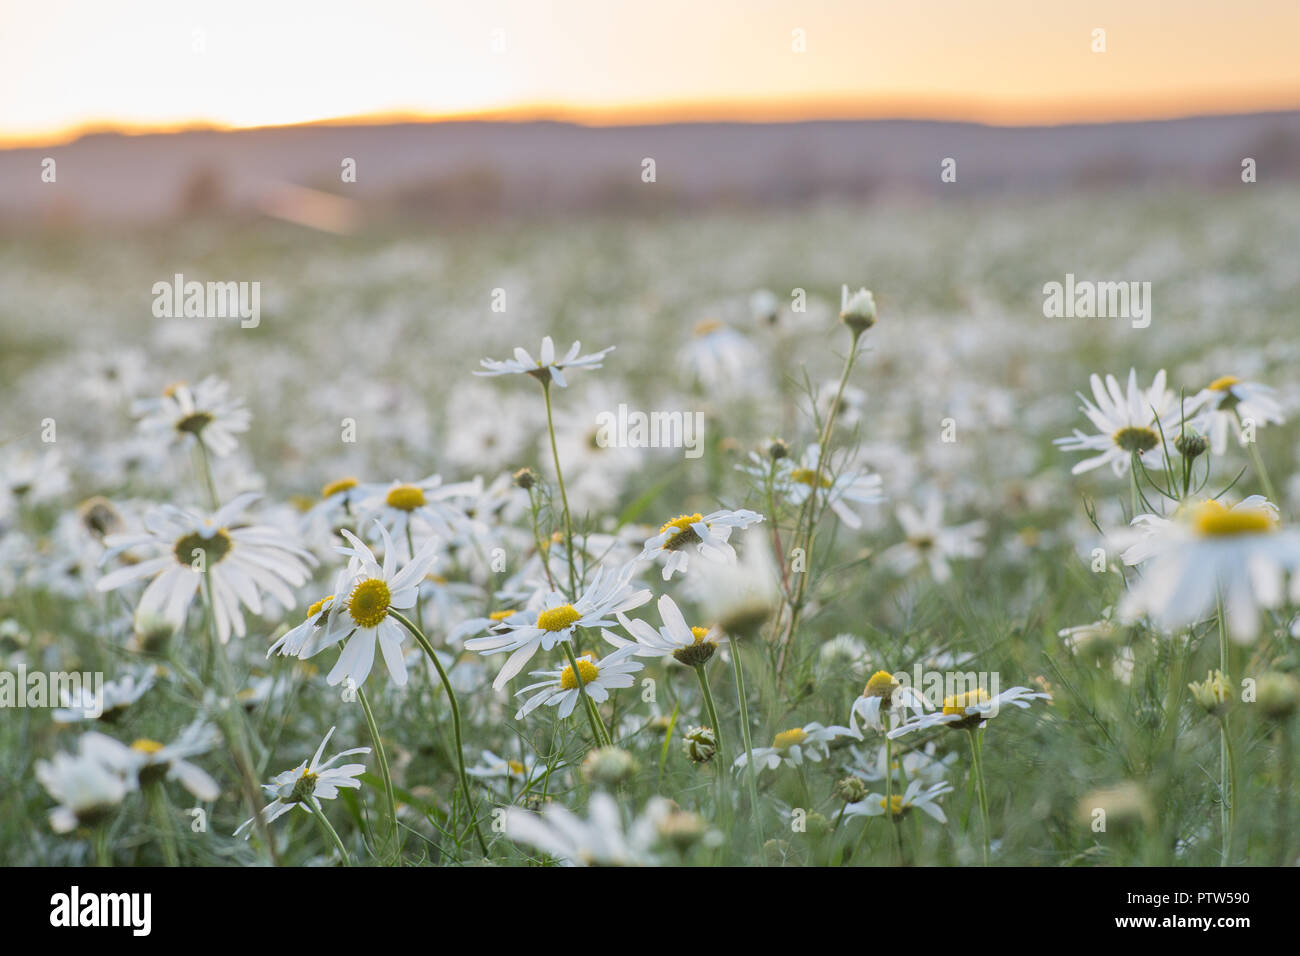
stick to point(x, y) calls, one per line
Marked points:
point(601, 839)
point(1127, 423)
point(309, 783)
point(560, 688)
point(1228, 402)
point(310, 637)
point(707, 533)
point(426, 506)
point(362, 618)
point(920, 765)
point(609, 592)
point(873, 804)
point(795, 480)
point(240, 562)
point(204, 413)
point(739, 596)
point(973, 708)
point(492, 767)
point(884, 694)
point(115, 698)
point(87, 789)
point(149, 761)
point(719, 357)
point(1208, 550)
point(790, 747)
point(676, 639)
point(928, 542)
point(547, 368)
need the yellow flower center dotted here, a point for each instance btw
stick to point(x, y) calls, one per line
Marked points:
point(171, 390)
point(334, 487)
point(1214, 520)
point(1136, 438)
point(683, 534)
point(788, 738)
point(557, 618)
point(586, 670)
point(213, 548)
point(1224, 383)
point(706, 326)
point(146, 746)
point(316, 608)
point(881, 684)
point(808, 476)
point(406, 497)
point(957, 703)
point(499, 615)
point(369, 602)
point(515, 767)
point(895, 804)
point(699, 633)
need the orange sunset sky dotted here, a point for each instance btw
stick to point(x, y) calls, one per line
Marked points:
point(69, 65)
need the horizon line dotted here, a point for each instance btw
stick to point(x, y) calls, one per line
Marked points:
point(844, 109)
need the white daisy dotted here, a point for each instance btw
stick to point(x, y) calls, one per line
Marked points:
point(708, 534)
point(117, 696)
point(309, 783)
point(240, 562)
point(362, 618)
point(1228, 402)
point(560, 688)
point(677, 639)
point(794, 480)
point(424, 507)
point(546, 368)
point(87, 789)
point(311, 636)
point(204, 413)
point(149, 761)
point(884, 694)
point(973, 708)
point(601, 839)
point(1209, 550)
point(791, 747)
point(928, 542)
point(720, 358)
point(493, 767)
point(609, 592)
point(914, 797)
point(1127, 422)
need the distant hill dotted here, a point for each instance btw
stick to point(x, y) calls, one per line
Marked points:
point(458, 169)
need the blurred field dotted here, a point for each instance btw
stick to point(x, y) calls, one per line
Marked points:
point(386, 326)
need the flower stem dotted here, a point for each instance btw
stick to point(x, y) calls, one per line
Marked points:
point(383, 770)
point(564, 496)
point(1260, 471)
point(977, 768)
point(1227, 763)
point(455, 719)
point(593, 715)
point(157, 797)
point(713, 711)
point(749, 747)
point(329, 830)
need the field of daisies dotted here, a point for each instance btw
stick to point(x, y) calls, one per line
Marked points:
point(900, 571)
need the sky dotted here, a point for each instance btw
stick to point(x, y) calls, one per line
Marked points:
point(71, 65)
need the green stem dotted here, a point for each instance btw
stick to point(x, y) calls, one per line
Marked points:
point(564, 497)
point(739, 674)
point(382, 757)
point(593, 715)
point(234, 726)
point(1227, 768)
point(455, 719)
point(713, 711)
point(157, 797)
point(330, 832)
point(977, 768)
point(1260, 471)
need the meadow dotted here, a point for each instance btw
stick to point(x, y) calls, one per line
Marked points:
point(880, 506)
